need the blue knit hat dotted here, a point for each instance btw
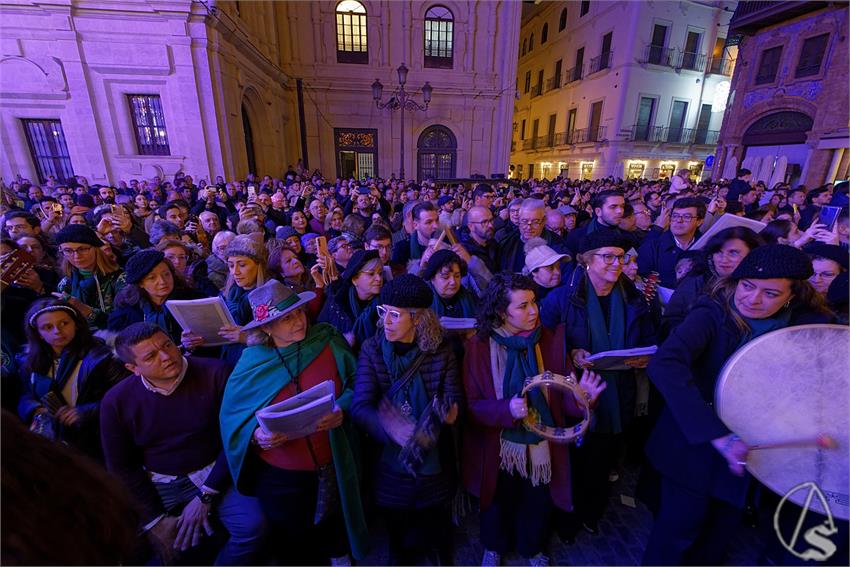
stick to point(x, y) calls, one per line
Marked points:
point(141, 263)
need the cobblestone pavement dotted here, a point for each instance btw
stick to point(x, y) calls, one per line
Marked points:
point(623, 533)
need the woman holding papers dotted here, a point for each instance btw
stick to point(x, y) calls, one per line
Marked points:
point(308, 486)
point(702, 464)
point(722, 254)
point(519, 477)
point(152, 280)
point(406, 393)
point(603, 311)
point(246, 262)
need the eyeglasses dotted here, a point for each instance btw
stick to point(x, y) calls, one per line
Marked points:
point(76, 251)
point(535, 223)
point(609, 258)
point(732, 254)
point(687, 217)
point(177, 258)
point(395, 315)
point(823, 275)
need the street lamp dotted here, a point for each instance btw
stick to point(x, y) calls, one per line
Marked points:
point(400, 100)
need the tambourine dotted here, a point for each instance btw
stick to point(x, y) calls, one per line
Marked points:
point(532, 421)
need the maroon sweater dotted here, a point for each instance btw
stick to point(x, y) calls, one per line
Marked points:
point(144, 431)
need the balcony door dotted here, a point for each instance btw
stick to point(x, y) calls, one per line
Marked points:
point(659, 40)
point(677, 121)
point(702, 124)
point(646, 111)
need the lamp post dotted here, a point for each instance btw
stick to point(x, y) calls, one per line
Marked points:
point(402, 101)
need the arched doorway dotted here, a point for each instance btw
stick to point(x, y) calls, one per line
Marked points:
point(249, 142)
point(773, 137)
point(437, 153)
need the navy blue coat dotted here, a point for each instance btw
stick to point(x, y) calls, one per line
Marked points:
point(660, 254)
point(685, 370)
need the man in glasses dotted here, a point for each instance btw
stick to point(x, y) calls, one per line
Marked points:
point(660, 254)
point(483, 249)
point(532, 224)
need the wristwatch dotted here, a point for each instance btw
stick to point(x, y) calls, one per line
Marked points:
point(207, 497)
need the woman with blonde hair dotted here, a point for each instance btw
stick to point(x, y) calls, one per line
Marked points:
point(91, 279)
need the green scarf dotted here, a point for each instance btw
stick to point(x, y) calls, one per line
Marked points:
point(415, 394)
point(257, 379)
point(416, 249)
point(461, 305)
point(522, 364)
point(759, 327)
point(364, 318)
point(602, 338)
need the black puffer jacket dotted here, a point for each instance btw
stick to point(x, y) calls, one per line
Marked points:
point(371, 384)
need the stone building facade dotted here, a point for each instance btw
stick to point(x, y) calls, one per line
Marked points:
point(788, 109)
point(117, 90)
point(621, 88)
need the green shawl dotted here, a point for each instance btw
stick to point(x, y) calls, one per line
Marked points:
point(602, 338)
point(257, 379)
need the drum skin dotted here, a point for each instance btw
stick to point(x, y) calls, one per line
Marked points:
point(787, 385)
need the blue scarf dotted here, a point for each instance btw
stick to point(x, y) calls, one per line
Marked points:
point(461, 305)
point(759, 327)
point(415, 394)
point(364, 319)
point(607, 337)
point(522, 364)
point(157, 316)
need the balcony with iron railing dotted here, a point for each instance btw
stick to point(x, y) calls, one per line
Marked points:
point(580, 136)
point(659, 55)
point(691, 61)
point(553, 83)
point(573, 75)
point(527, 144)
point(721, 66)
point(668, 135)
point(537, 90)
point(600, 63)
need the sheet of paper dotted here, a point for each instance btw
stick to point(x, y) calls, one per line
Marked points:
point(298, 416)
point(203, 317)
point(615, 359)
point(458, 323)
point(727, 221)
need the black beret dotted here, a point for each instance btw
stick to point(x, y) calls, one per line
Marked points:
point(407, 291)
point(358, 260)
point(80, 234)
point(141, 263)
point(602, 238)
point(774, 261)
point(439, 259)
point(830, 252)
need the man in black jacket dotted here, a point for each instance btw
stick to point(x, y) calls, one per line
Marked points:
point(661, 253)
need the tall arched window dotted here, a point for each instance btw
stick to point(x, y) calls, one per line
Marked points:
point(439, 37)
point(249, 141)
point(437, 153)
point(524, 46)
point(562, 23)
point(351, 43)
point(531, 43)
point(544, 35)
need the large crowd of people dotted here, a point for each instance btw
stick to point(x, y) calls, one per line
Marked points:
point(371, 285)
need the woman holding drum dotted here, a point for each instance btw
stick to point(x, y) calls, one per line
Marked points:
point(702, 463)
point(519, 476)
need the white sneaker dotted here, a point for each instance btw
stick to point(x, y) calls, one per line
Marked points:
point(342, 561)
point(539, 560)
point(491, 559)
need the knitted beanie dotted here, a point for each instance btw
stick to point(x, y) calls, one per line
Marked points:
point(80, 234)
point(774, 261)
point(284, 232)
point(358, 260)
point(248, 245)
point(603, 238)
point(141, 263)
point(407, 291)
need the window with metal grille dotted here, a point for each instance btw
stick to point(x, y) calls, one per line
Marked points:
point(351, 37)
point(439, 37)
point(149, 125)
point(811, 56)
point(49, 152)
point(437, 153)
point(769, 65)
